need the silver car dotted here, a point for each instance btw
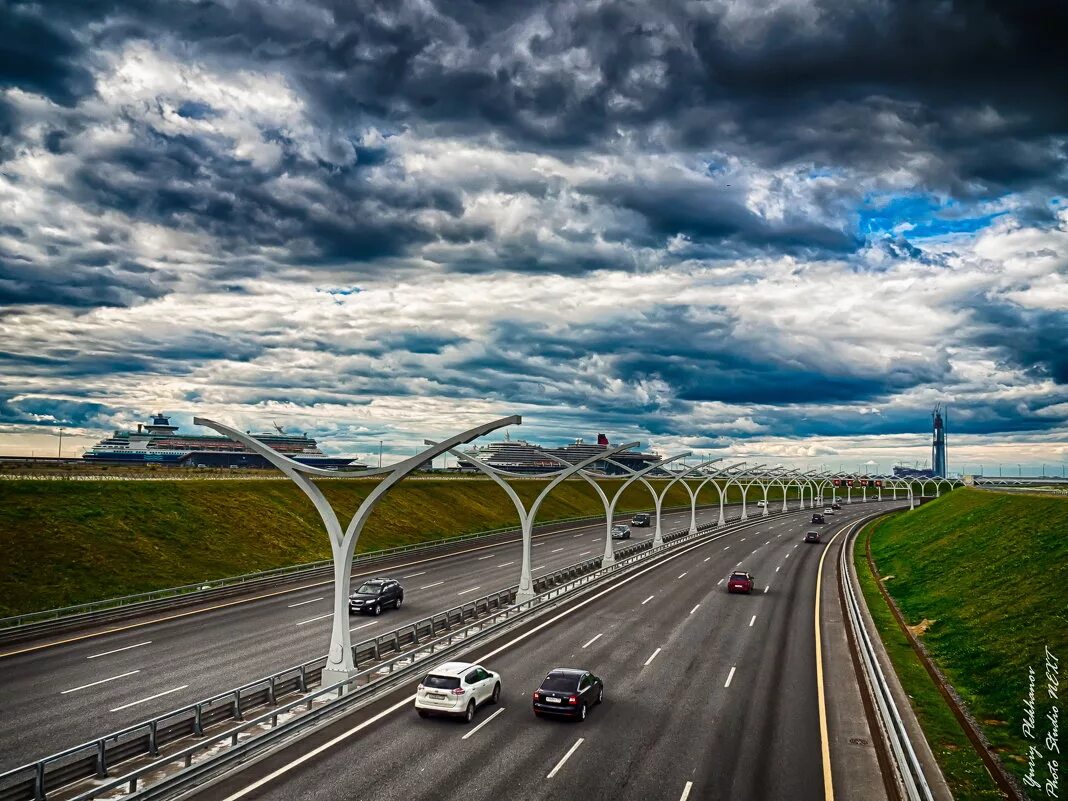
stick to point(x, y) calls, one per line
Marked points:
point(621, 531)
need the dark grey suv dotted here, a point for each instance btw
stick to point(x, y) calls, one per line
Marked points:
point(376, 594)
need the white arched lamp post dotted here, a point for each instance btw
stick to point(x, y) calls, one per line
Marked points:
point(610, 505)
point(658, 537)
point(693, 496)
point(339, 662)
point(526, 516)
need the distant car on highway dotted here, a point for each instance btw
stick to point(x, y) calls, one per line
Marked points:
point(761, 504)
point(376, 594)
point(828, 511)
point(621, 531)
point(567, 692)
point(642, 519)
point(836, 506)
point(457, 689)
point(818, 518)
point(740, 581)
point(812, 536)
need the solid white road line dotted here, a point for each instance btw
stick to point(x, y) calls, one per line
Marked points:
point(695, 609)
point(686, 791)
point(413, 575)
point(567, 756)
point(363, 625)
point(435, 584)
point(270, 777)
point(102, 681)
point(681, 575)
point(150, 698)
point(490, 556)
point(464, 592)
point(313, 619)
point(595, 639)
point(752, 621)
point(647, 600)
point(483, 723)
point(127, 648)
point(729, 677)
point(313, 600)
point(408, 700)
point(506, 564)
point(651, 658)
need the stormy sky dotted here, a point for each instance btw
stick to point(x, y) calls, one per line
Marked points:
point(784, 228)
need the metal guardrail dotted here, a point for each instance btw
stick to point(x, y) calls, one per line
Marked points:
point(208, 590)
point(284, 720)
point(908, 767)
point(35, 781)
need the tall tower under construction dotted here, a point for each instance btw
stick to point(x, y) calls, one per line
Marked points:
point(938, 443)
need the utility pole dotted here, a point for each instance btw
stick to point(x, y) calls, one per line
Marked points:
point(379, 453)
point(61, 443)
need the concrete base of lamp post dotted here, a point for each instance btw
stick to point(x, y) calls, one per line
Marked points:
point(336, 676)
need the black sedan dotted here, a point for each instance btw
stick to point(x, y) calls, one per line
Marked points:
point(567, 692)
point(375, 595)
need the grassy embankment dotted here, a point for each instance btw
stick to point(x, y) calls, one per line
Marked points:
point(989, 572)
point(67, 542)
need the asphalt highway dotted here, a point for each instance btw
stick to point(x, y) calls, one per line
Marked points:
point(66, 693)
point(707, 696)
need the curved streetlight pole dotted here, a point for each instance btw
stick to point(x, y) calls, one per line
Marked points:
point(526, 516)
point(693, 493)
point(735, 479)
point(339, 662)
point(610, 505)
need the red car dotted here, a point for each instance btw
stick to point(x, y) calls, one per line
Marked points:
point(740, 582)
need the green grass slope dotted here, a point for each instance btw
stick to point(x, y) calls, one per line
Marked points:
point(990, 571)
point(67, 542)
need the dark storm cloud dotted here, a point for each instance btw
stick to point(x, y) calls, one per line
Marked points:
point(53, 411)
point(831, 82)
point(41, 57)
point(79, 279)
point(1034, 340)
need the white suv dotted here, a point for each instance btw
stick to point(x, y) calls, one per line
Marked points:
point(457, 688)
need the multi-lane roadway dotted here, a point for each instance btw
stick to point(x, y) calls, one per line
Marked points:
point(57, 694)
point(708, 696)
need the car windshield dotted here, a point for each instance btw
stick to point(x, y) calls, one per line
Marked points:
point(618, 528)
point(561, 684)
point(441, 682)
point(370, 589)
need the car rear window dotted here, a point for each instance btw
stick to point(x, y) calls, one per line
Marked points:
point(560, 684)
point(739, 577)
point(441, 682)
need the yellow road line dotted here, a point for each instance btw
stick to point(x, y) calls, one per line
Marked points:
point(828, 782)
